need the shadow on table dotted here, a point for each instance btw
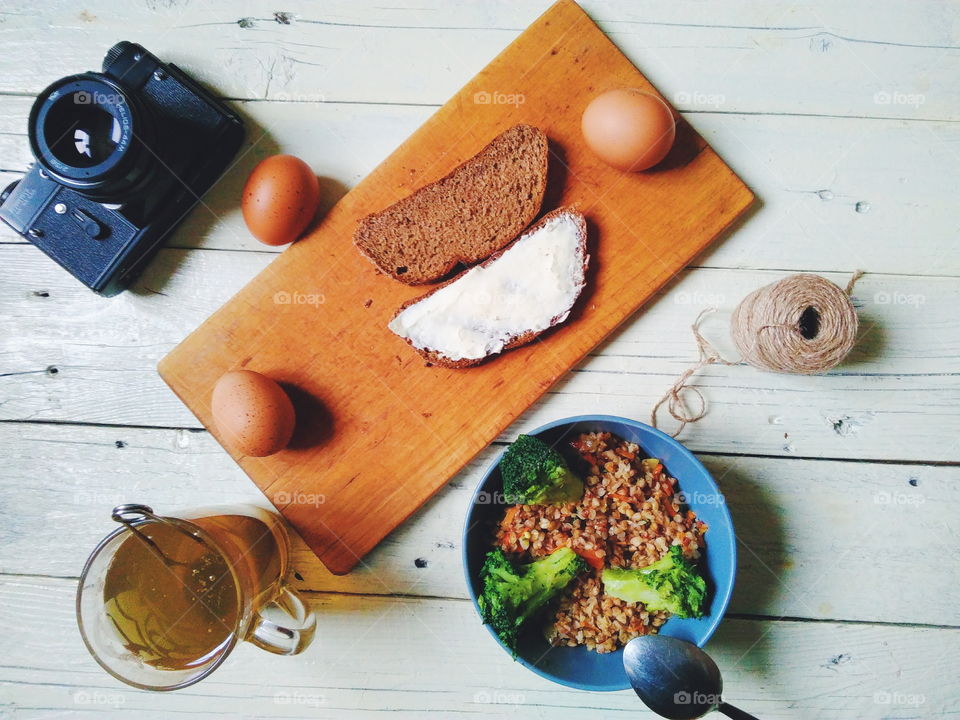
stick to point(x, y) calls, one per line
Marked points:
point(871, 338)
point(224, 199)
point(762, 557)
point(315, 422)
point(221, 199)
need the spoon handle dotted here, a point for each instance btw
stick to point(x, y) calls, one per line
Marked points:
point(735, 713)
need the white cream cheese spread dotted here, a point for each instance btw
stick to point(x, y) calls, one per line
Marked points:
point(530, 287)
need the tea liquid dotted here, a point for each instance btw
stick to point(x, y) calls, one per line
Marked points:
point(181, 612)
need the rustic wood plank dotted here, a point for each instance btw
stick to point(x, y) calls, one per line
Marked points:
point(777, 57)
point(733, 69)
point(809, 173)
point(806, 527)
point(901, 381)
point(433, 659)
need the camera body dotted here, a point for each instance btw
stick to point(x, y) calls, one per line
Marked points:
point(121, 157)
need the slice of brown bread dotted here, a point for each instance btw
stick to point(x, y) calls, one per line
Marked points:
point(463, 217)
point(560, 314)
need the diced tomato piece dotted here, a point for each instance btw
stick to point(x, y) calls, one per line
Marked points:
point(593, 560)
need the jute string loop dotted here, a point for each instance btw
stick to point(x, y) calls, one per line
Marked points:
point(801, 324)
point(674, 396)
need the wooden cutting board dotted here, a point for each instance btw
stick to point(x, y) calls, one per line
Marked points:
point(379, 431)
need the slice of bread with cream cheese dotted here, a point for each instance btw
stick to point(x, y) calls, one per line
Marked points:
point(510, 299)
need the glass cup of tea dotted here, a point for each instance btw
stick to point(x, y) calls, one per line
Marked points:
point(162, 601)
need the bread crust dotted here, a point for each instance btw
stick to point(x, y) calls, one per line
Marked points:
point(444, 224)
point(435, 358)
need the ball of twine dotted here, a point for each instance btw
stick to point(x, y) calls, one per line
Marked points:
point(802, 324)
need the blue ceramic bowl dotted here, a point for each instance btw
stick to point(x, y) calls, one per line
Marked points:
point(579, 667)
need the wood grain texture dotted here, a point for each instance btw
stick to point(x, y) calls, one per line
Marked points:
point(883, 521)
point(433, 659)
point(785, 93)
point(902, 380)
point(379, 431)
point(819, 58)
point(812, 173)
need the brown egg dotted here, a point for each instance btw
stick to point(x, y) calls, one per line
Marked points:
point(280, 199)
point(252, 413)
point(631, 130)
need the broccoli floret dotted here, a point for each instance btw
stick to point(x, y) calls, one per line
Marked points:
point(535, 474)
point(514, 593)
point(672, 583)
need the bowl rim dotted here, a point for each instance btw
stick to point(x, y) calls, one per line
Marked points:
point(723, 593)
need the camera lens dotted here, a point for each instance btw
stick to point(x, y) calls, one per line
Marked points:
point(81, 135)
point(91, 136)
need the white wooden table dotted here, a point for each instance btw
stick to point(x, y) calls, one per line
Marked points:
point(843, 118)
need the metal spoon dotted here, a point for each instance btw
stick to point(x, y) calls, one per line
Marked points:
point(676, 679)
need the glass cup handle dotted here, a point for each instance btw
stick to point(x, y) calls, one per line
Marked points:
point(289, 638)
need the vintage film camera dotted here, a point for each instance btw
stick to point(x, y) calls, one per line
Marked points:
point(121, 157)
